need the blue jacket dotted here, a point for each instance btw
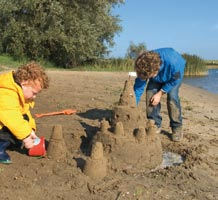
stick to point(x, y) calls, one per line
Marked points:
point(170, 74)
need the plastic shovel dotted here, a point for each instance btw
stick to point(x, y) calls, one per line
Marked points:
point(63, 112)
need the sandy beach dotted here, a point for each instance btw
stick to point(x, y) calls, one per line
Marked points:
point(93, 95)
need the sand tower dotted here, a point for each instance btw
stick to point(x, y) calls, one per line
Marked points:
point(130, 142)
point(127, 112)
point(56, 147)
point(96, 164)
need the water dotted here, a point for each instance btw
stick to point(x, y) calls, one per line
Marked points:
point(209, 83)
point(171, 159)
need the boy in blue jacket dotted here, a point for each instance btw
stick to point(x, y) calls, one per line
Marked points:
point(162, 70)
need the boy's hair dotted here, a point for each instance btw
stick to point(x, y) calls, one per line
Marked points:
point(31, 71)
point(148, 63)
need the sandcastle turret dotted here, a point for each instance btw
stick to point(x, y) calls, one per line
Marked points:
point(127, 111)
point(127, 98)
point(104, 125)
point(119, 130)
point(140, 134)
point(96, 165)
point(56, 147)
point(151, 130)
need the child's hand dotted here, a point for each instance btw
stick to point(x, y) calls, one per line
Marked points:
point(29, 141)
point(156, 99)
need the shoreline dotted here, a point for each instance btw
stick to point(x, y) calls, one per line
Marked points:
point(190, 91)
point(212, 66)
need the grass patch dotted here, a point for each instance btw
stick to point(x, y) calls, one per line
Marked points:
point(9, 62)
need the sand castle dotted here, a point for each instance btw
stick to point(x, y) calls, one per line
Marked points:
point(128, 142)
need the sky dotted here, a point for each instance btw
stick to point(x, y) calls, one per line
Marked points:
point(188, 26)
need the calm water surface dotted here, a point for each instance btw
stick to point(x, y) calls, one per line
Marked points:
point(209, 83)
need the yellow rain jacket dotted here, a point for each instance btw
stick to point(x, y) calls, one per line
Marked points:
point(13, 107)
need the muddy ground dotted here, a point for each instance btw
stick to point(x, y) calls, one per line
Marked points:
point(93, 95)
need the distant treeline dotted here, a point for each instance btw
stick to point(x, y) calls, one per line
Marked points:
point(195, 66)
point(211, 62)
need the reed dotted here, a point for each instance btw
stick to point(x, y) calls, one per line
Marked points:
point(195, 66)
point(114, 64)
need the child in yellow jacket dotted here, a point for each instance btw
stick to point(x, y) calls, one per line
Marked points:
point(17, 92)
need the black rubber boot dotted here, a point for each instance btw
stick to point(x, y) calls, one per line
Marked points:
point(4, 157)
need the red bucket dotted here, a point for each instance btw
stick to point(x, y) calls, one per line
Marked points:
point(38, 149)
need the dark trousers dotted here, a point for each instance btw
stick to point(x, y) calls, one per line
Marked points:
point(7, 136)
point(173, 105)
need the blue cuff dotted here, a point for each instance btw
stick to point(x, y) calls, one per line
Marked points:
point(139, 88)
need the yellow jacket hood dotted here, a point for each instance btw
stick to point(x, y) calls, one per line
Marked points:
point(13, 107)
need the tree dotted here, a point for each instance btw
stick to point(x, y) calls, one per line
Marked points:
point(67, 32)
point(134, 50)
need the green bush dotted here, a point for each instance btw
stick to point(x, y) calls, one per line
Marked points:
point(67, 33)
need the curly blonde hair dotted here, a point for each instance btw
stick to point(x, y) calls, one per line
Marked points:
point(31, 72)
point(148, 63)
